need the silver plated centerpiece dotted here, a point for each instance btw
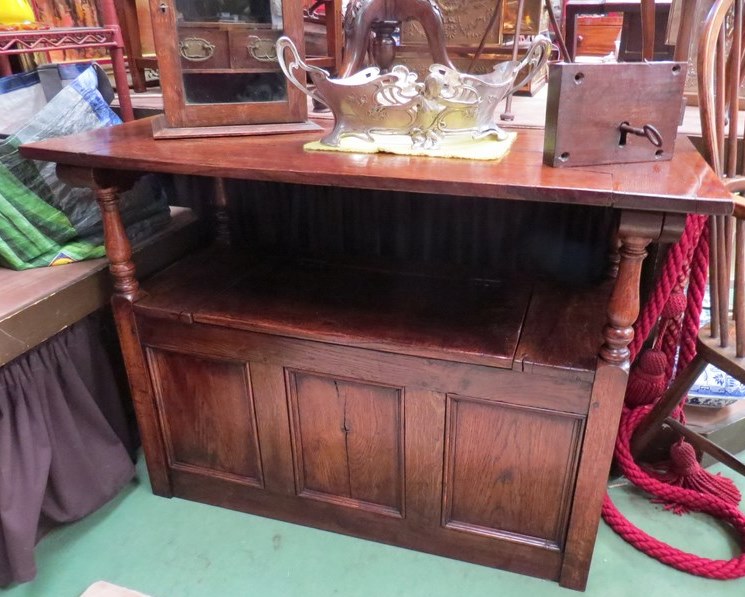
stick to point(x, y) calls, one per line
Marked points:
point(447, 103)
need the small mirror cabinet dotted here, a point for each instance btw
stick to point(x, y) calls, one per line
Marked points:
point(219, 70)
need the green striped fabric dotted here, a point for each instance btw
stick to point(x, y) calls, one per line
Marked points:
point(32, 232)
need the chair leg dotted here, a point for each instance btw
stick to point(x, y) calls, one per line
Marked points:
point(665, 405)
point(127, 13)
point(704, 445)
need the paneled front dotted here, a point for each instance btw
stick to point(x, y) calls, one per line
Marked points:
point(347, 441)
point(369, 443)
point(509, 470)
point(208, 415)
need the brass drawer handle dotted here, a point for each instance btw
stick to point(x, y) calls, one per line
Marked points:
point(262, 50)
point(196, 49)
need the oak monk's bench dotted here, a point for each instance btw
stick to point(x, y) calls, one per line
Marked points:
point(464, 411)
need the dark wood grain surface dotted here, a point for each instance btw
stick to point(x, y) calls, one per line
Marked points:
point(498, 323)
point(684, 184)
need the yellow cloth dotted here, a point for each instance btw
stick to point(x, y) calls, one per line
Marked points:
point(16, 11)
point(463, 147)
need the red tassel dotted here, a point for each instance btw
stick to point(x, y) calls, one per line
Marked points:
point(647, 380)
point(675, 305)
point(685, 471)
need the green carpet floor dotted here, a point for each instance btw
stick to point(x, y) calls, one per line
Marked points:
point(176, 548)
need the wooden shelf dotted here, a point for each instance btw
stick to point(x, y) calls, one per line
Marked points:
point(498, 323)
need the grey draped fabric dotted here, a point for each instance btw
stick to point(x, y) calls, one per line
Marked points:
point(65, 442)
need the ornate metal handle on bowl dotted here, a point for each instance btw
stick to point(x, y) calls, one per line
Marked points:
point(262, 50)
point(196, 49)
point(284, 44)
point(535, 59)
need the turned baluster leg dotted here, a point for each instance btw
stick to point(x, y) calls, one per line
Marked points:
point(614, 257)
point(118, 247)
point(222, 218)
point(126, 292)
point(635, 233)
point(623, 308)
point(106, 186)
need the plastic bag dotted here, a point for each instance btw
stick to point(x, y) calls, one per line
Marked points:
point(44, 221)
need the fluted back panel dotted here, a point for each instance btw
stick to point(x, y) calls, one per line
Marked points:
point(482, 236)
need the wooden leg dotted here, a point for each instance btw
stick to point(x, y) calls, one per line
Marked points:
point(650, 426)
point(334, 32)
point(648, 29)
point(127, 13)
point(118, 247)
point(5, 68)
point(623, 308)
point(117, 61)
point(683, 40)
point(609, 388)
point(222, 228)
point(127, 290)
point(614, 257)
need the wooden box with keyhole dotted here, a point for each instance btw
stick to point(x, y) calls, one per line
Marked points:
point(219, 70)
point(612, 113)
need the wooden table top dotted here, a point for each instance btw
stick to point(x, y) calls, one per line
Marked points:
point(684, 185)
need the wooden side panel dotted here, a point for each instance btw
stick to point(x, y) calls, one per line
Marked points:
point(509, 471)
point(208, 414)
point(347, 439)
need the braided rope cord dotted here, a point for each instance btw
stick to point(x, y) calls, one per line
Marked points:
point(687, 259)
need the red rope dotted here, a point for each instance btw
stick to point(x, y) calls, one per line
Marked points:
point(714, 495)
point(693, 500)
point(674, 266)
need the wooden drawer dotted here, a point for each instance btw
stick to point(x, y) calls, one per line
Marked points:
point(254, 49)
point(204, 48)
point(597, 35)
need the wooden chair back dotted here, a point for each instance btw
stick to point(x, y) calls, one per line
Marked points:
point(720, 75)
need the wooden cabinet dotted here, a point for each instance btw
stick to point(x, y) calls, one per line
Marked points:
point(219, 70)
point(411, 409)
point(465, 414)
